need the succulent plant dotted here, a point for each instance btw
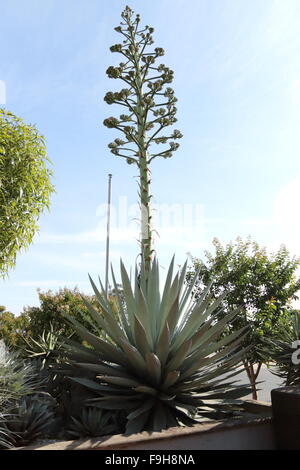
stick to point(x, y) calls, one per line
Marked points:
point(163, 360)
point(45, 348)
point(32, 417)
point(45, 354)
point(94, 422)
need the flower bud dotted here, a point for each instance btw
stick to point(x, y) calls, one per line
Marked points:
point(173, 146)
point(116, 48)
point(113, 72)
point(112, 145)
point(176, 134)
point(119, 142)
point(109, 98)
point(111, 122)
point(125, 117)
point(159, 51)
point(167, 155)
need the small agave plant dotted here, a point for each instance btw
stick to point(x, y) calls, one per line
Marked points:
point(45, 348)
point(94, 422)
point(33, 417)
point(164, 359)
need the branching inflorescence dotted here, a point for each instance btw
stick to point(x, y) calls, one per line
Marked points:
point(150, 108)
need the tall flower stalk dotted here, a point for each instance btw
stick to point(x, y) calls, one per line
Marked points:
point(150, 108)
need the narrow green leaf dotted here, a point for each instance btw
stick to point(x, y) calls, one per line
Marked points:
point(172, 316)
point(142, 409)
point(128, 295)
point(153, 296)
point(137, 424)
point(203, 359)
point(144, 315)
point(193, 322)
point(180, 355)
point(109, 352)
point(147, 390)
point(141, 338)
point(153, 368)
point(134, 357)
point(112, 327)
point(104, 369)
point(159, 418)
point(163, 345)
point(217, 328)
point(171, 379)
point(90, 384)
point(121, 310)
point(121, 381)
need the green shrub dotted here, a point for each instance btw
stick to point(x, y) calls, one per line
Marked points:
point(34, 322)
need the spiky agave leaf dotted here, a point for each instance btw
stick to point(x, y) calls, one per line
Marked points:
point(164, 359)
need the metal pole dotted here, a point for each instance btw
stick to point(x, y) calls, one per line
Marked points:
point(108, 235)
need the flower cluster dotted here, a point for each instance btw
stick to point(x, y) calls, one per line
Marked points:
point(111, 122)
point(116, 48)
point(114, 72)
point(114, 97)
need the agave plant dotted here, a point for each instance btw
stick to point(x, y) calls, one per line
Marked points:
point(45, 354)
point(46, 347)
point(94, 422)
point(33, 417)
point(164, 360)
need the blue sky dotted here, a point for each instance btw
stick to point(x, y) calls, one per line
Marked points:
point(237, 79)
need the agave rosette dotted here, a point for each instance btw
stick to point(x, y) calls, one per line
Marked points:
point(164, 359)
point(32, 417)
point(93, 422)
